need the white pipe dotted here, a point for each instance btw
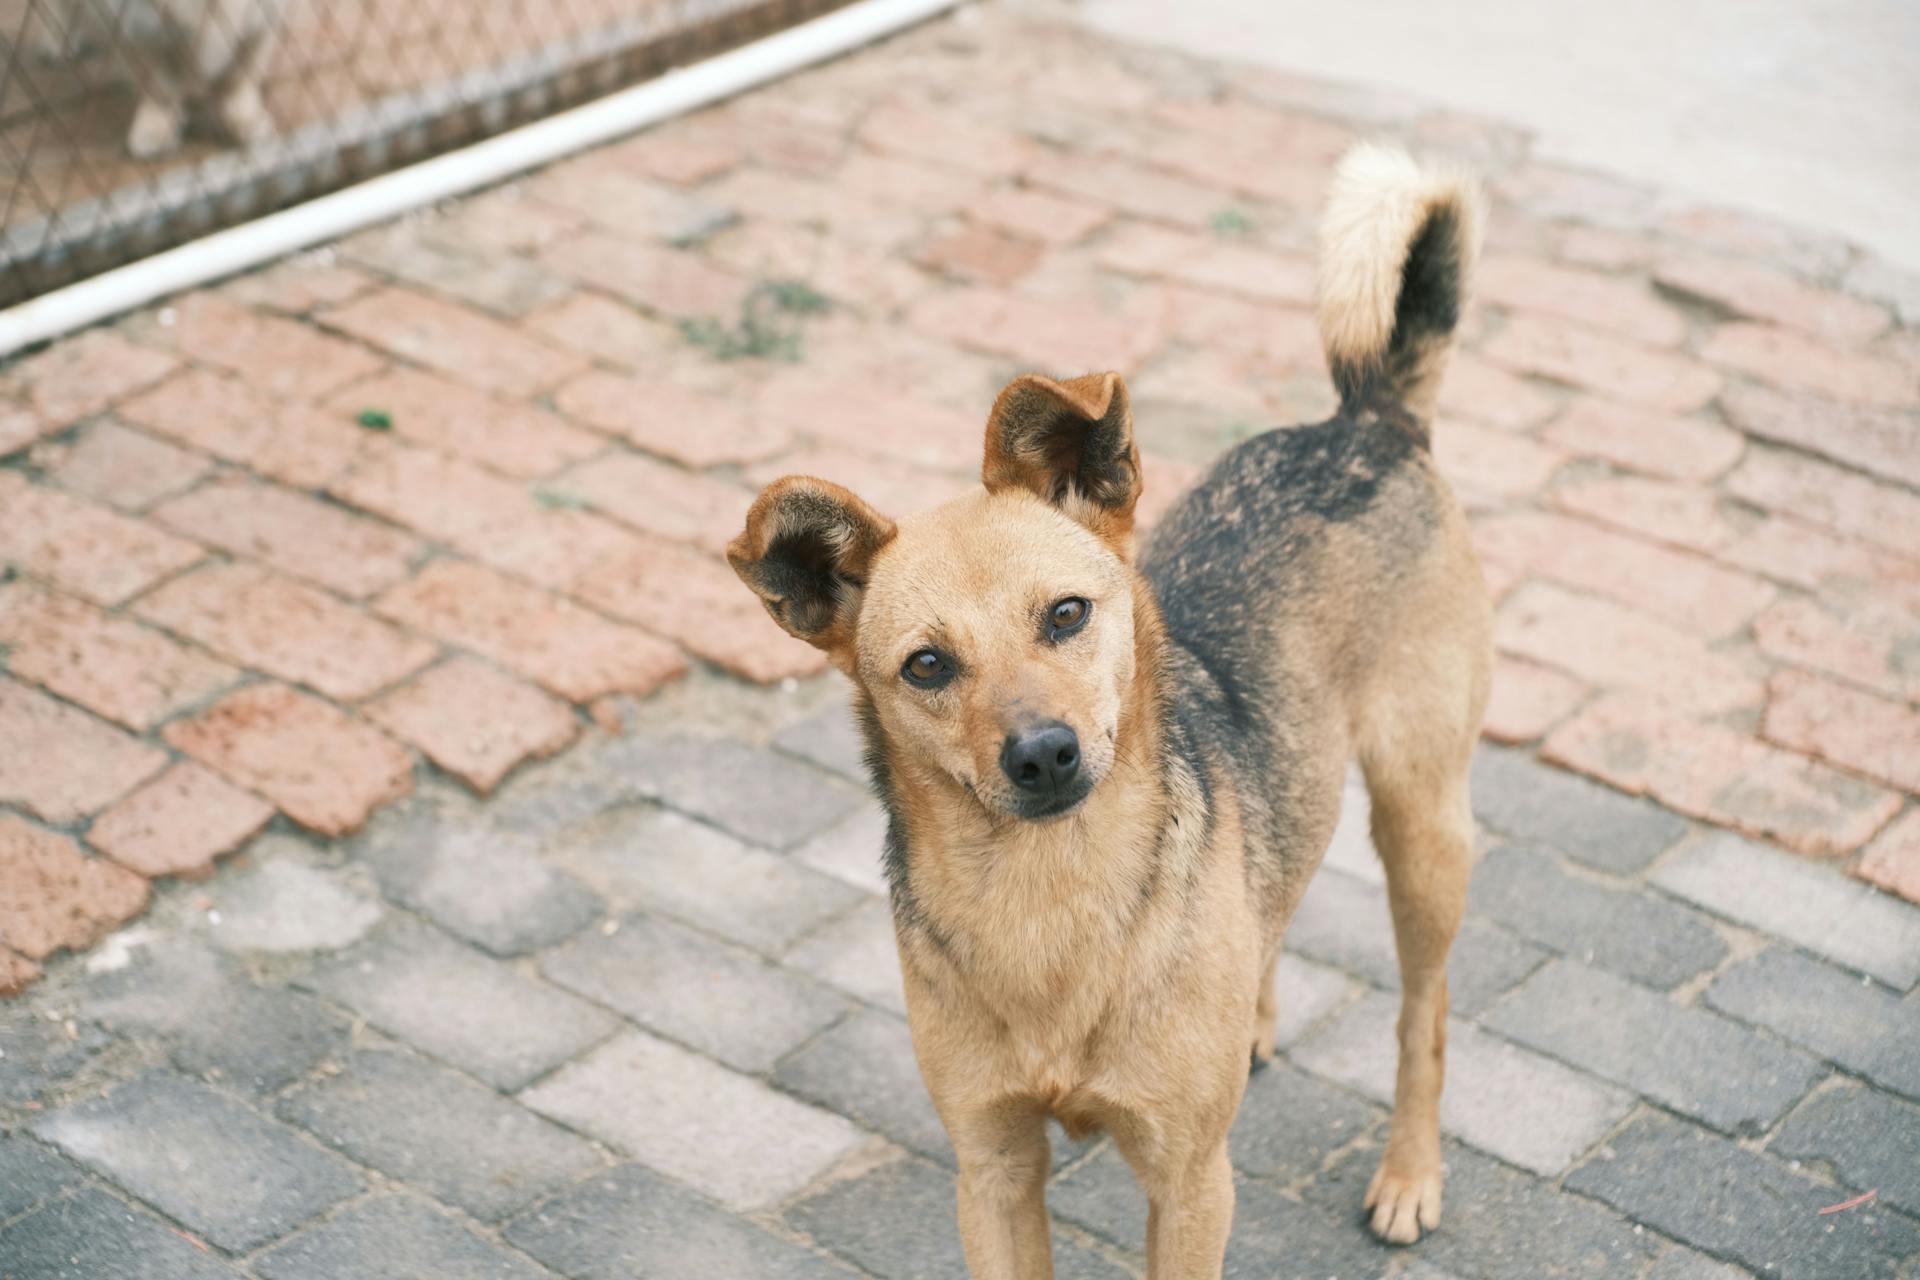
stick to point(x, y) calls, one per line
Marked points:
point(331, 216)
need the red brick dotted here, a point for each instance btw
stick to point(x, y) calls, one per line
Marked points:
point(893, 488)
point(82, 547)
point(1607, 250)
point(1493, 461)
point(124, 468)
point(661, 499)
point(1284, 137)
point(1206, 263)
point(1846, 727)
point(1034, 215)
point(1528, 700)
point(475, 722)
point(295, 444)
point(980, 255)
point(61, 764)
point(17, 972)
point(1718, 774)
point(505, 221)
point(111, 666)
point(1683, 515)
point(459, 341)
point(1554, 193)
point(1791, 552)
point(698, 601)
point(1163, 480)
point(1755, 236)
point(1801, 632)
point(278, 626)
point(1136, 189)
point(1642, 440)
point(1610, 646)
point(79, 376)
point(777, 136)
point(668, 420)
point(284, 358)
point(853, 216)
point(669, 282)
point(293, 533)
point(676, 153)
point(922, 188)
point(855, 414)
point(942, 138)
point(1061, 337)
point(1882, 441)
point(320, 767)
point(618, 200)
point(514, 439)
point(1532, 343)
point(558, 645)
point(1796, 363)
point(1828, 496)
point(1893, 860)
point(54, 896)
point(447, 499)
point(853, 275)
point(1621, 306)
point(179, 823)
point(298, 285)
point(1486, 393)
point(608, 330)
point(20, 426)
point(1689, 591)
point(1284, 339)
point(1765, 294)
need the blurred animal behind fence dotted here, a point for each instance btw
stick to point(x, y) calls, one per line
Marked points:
point(184, 57)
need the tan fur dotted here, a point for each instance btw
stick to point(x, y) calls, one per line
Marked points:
point(1112, 967)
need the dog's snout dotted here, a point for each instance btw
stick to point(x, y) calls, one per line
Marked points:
point(1041, 757)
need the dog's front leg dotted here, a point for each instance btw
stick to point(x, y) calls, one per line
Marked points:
point(1003, 1187)
point(1189, 1213)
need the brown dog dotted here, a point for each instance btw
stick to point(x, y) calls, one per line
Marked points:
point(1108, 783)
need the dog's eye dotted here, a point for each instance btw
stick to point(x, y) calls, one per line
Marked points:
point(927, 668)
point(1067, 616)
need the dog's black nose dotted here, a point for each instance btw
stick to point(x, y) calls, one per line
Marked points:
point(1041, 757)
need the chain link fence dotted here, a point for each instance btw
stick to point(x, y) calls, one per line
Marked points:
point(129, 126)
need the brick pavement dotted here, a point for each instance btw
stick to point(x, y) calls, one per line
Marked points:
point(319, 564)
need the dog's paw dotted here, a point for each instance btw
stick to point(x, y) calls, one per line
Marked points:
point(1403, 1204)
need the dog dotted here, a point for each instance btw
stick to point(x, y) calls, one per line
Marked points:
point(179, 54)
point(1108, 779)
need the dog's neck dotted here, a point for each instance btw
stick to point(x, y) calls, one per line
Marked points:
point(1021, 907)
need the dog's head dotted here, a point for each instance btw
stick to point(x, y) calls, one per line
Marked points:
point(993, 636)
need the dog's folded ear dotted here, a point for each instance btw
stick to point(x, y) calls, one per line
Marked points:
point(1072, 444)
point(805, 552)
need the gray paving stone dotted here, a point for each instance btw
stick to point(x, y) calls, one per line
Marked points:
point(1345, 923)
point(215, 1021)
point(1819, 907)
point(37, 1051)
point(485, 885)
point(287, 900)
point(649, 857)
point(1871, 1139)
point(227, 1173)
point(1850, 1020)
point(1497, 1223)
point(1682, 1263)
point(503, 283)
point(92, 1236)
point(1306, 992)
point(1518, 796)
point(30, 1175)
point(1274, 1236)
point(760, 795)
point(457, 1004)
point(723, 1000)
point(1690, 1059)
point(632, 1222)
point(899, 1221)
point(1102, 1195)
point(857, 954)
point(864, 1068)
point(423, 1124)
point(829, 739)
point(1351, 850)
point(1289, 1123)
point(1708, 1192)
point(1647, 938)
point(851, 850)
point(699, 1122)
point(394, 1238)
point(1524, 1108)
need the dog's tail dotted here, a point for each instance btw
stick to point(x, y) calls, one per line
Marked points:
point(1397, 248)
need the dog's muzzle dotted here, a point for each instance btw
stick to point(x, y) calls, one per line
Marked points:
point(1042, 760)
